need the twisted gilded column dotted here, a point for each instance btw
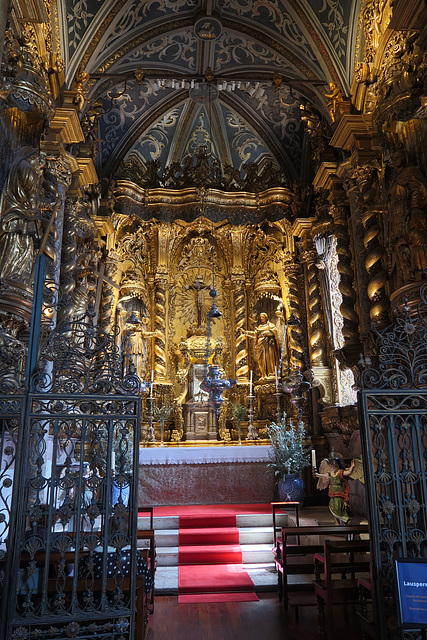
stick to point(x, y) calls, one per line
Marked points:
point(58, 173)
point(241, 341)
point(160, 327)
point(296, 351)
point(369, 212)
point(351, 319)
point(68, 263)
point(374, 266)
point(316, 329)
point(109, 296)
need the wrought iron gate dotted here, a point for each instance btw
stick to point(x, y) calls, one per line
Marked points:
point(69, 457)
point(393, 412)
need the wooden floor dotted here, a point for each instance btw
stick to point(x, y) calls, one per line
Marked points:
point(263, 620)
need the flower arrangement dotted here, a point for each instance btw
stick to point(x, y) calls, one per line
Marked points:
point(291, 447)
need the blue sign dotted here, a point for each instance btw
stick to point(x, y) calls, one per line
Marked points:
point(411, 577)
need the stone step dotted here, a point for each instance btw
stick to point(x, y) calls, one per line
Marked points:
point(246, 520)
point(247, 535)
point(251, 554)
point(256, 539)
point(263, 575)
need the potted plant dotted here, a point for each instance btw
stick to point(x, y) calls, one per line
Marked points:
point(290, 454)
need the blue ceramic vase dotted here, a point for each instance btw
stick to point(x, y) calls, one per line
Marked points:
point(291, 488)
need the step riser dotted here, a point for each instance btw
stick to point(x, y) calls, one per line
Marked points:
point(171, 539)
point(255, 533)
point(251, 520)
point(165, 559)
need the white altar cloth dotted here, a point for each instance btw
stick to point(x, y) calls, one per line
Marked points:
point(204, 455)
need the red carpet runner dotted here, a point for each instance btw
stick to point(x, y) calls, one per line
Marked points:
point(210, 561)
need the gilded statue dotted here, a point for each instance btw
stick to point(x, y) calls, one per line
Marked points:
point(20, 216)
point(183, 370)
point(407, 220)
point(267, 348)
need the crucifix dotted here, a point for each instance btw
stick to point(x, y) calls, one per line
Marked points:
point(101, 279)
point(199, 286)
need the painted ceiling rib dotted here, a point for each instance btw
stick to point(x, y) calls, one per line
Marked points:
point(167, 41)
point(135, 130)
point(257, 124)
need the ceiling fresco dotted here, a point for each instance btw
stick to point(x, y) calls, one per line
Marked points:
point(230, 75)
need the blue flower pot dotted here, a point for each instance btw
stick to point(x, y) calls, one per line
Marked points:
point(291, 488)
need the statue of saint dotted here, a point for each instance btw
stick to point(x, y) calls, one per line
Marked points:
point(183, 369)
point(407, 220)
point(267, 348)
point(19, 216)
point(135, 345)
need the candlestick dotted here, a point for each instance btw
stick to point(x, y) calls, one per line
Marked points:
point(313, 458)
point(252, 432)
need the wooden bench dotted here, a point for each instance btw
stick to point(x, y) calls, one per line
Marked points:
point(341, 564)
point(109, 587)
point(295, 556)
point(65, 584)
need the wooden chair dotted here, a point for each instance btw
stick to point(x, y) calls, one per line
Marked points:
point(283, 508)
point(295, 557)
point(341, 564)
point(365, 610)
point(148, 535)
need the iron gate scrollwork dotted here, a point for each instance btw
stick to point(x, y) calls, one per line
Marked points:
point(393, 411)
point(74, 498)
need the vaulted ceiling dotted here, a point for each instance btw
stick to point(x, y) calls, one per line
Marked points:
point(148, 62)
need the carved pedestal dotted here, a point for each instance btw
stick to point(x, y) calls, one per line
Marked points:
point(200, 422)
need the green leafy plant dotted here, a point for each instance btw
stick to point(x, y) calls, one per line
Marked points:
point(291, 448)
point(238, 411)
point(161, 415)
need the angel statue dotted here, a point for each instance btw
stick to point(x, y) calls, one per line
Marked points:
point(334, 474)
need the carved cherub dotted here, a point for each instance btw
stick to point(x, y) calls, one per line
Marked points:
point(79, 80)
point(335, 97)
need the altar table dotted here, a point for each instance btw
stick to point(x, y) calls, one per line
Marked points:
point(205, 475)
